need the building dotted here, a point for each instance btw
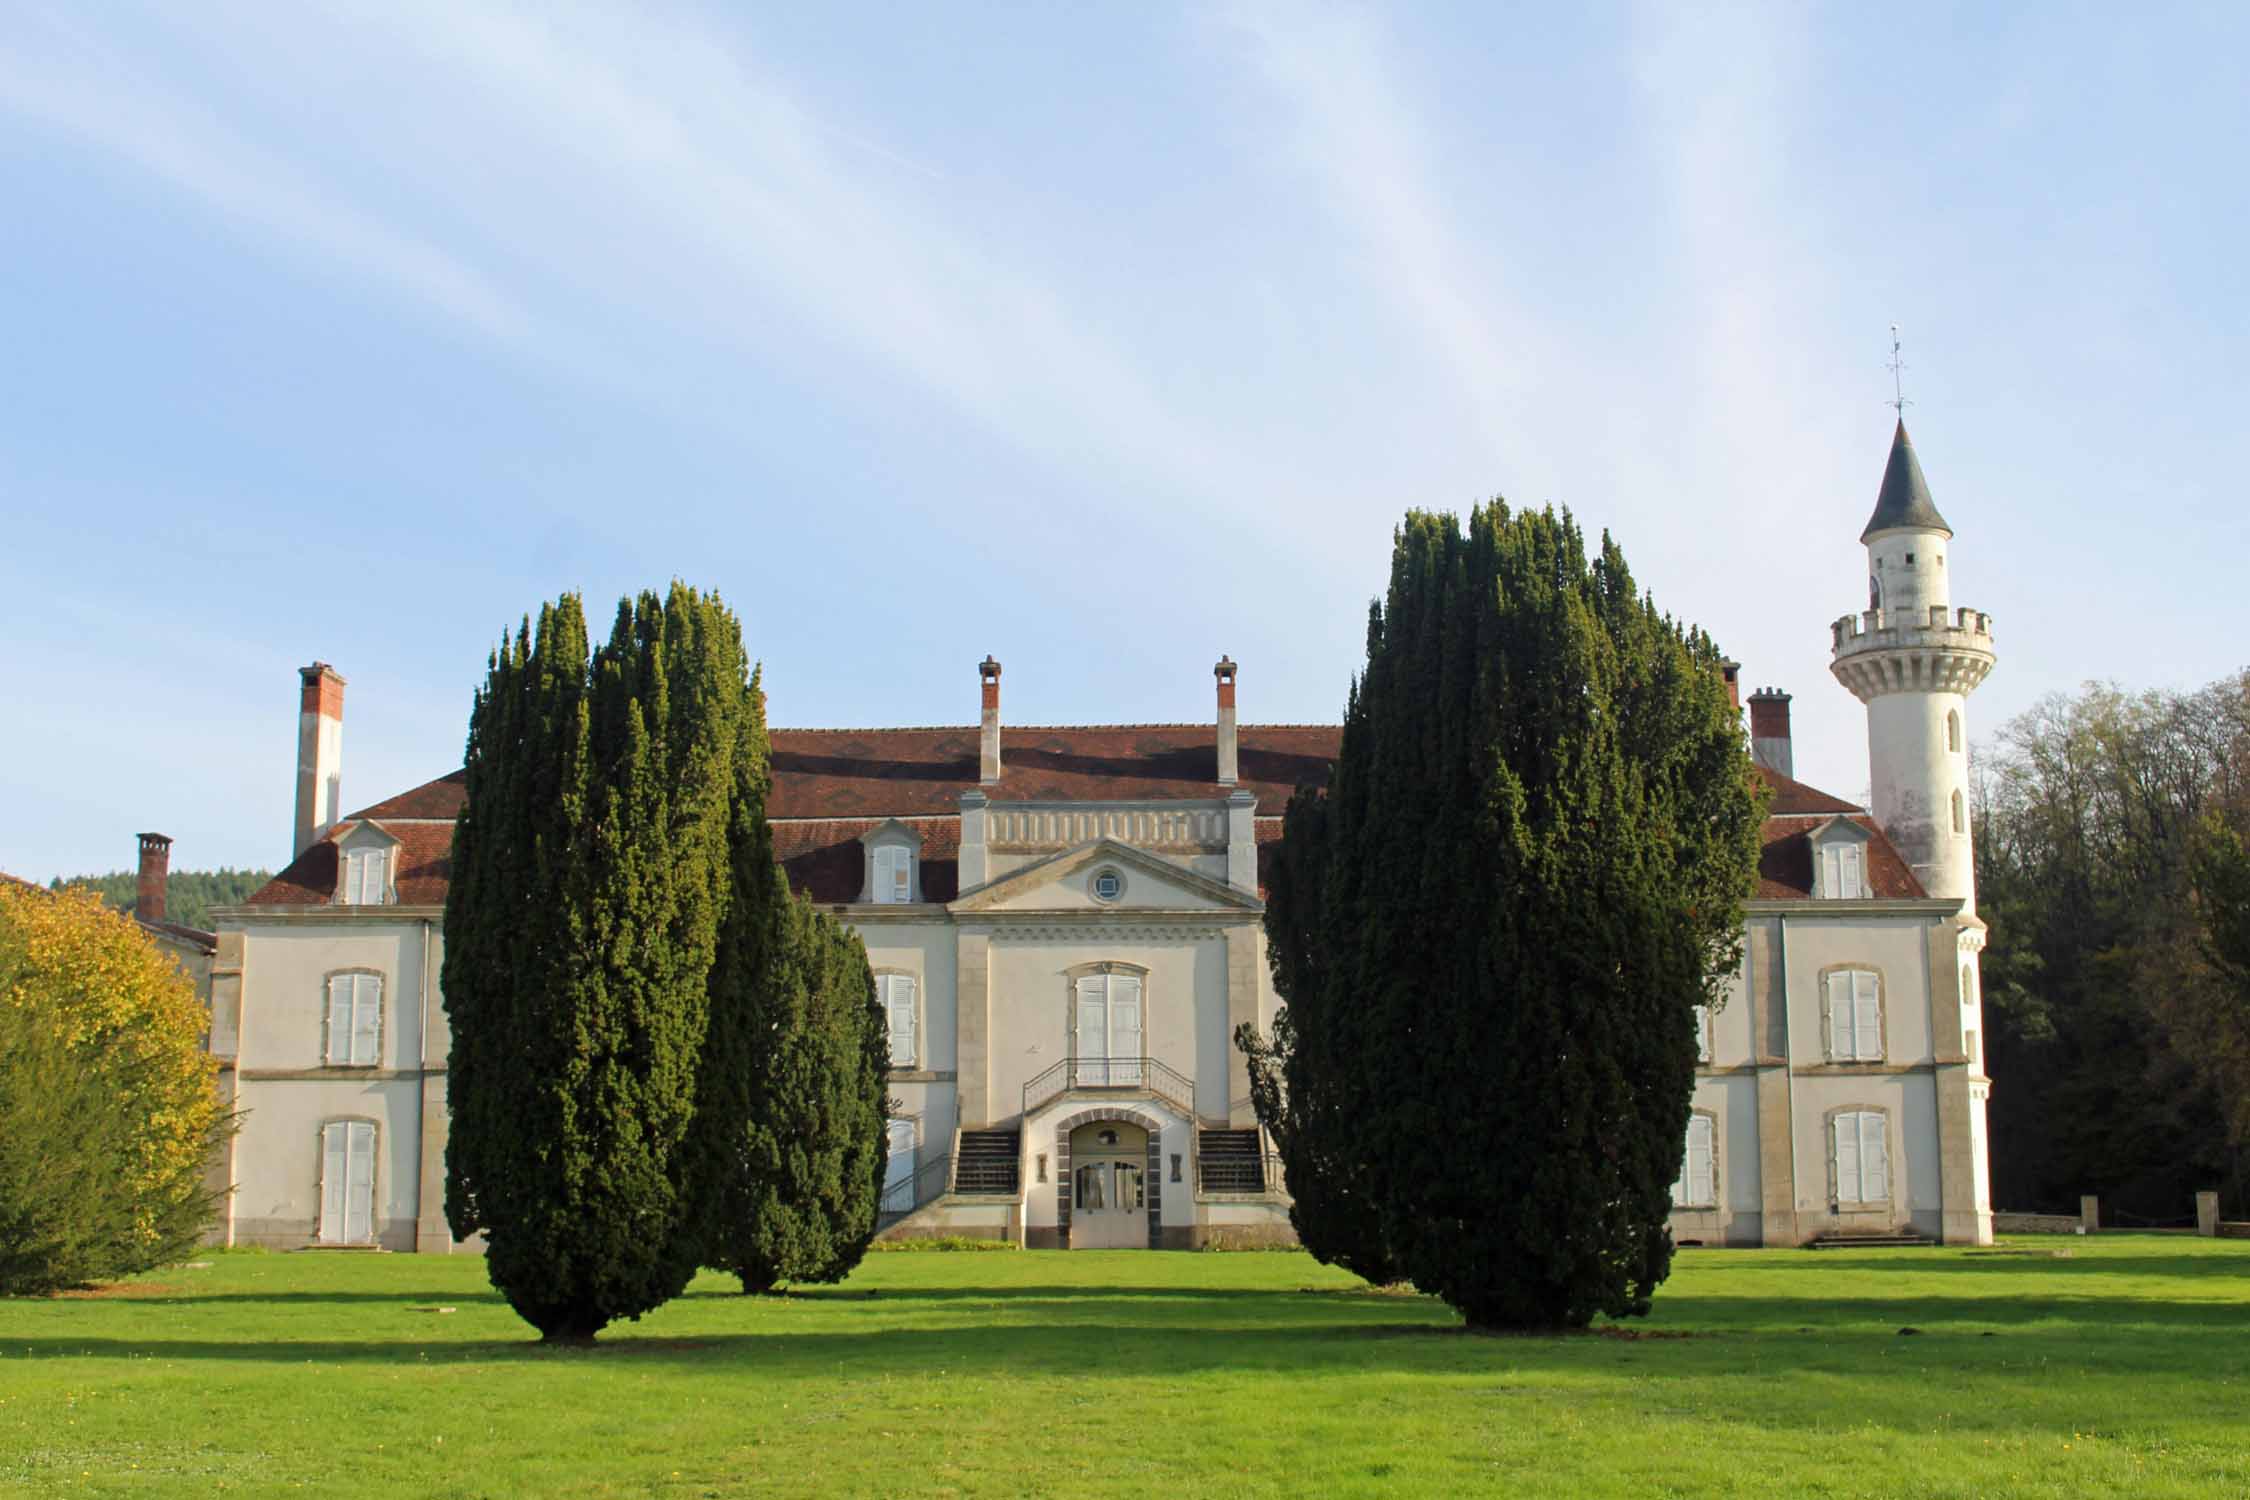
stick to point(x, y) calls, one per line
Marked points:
point(1065, 925)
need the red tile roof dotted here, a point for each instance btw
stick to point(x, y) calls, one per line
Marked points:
point(1785, 863)
point(832, 785)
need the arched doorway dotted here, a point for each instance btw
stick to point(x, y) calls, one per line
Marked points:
point(1109, 1186)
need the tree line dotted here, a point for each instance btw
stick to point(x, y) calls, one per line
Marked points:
point(2111, 868)
point(189, 895)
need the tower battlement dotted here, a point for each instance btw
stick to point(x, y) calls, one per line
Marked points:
point(1887, 651)
point(1875, 629)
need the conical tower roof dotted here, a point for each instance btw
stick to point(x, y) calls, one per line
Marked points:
point(1905, 501)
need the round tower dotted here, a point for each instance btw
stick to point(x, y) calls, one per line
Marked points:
point(1914, 660)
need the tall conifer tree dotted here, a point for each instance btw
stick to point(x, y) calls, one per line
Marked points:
point(790, 1136)
point(590, 877)
point(1492, 927)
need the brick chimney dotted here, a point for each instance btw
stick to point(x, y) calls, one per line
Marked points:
point(320, 755)
point(988, 756)
point(1228, 768)
point(156, 864)
point(1732, 671)
point(1769, 731)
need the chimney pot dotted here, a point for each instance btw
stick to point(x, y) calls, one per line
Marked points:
point(988, 750)
point(1732, 671)
point(156, 865)
point(1229, 765)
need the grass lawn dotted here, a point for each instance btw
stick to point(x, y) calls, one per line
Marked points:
point(2047, 1367)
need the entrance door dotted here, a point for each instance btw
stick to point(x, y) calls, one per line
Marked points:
point(1108, 1188)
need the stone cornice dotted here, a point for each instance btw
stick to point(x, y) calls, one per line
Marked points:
point(1899, 906)
point(227, 918)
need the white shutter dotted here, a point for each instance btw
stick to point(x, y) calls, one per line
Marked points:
point(1839, 1016)
point(1093, 1028)
point(1698, 1173)
point(1846, 1149)
point(336, 1046)
point(1853, 885)
point(1125, 1027)
point(1867, 1011)
point(898, 1006)
point(332, 1173)
point(1831, 871)
point(1874, 1160)
point(1703, 1033)
point(359, 1189)
point(367, 1019)
point(902, 876)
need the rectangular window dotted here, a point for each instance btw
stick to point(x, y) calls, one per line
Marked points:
point(1855, 1016)
point(894, 875)
point(355, 1020)
point(1109, 1030)
point(1862, 1158)
point(365, 872)
point(897, 994)
point(347, 1182)
point(1843, 871)
point(1698, 1184)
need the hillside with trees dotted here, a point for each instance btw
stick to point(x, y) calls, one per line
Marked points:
point(189, 895)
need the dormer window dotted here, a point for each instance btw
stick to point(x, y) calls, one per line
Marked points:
point(1843, 871)
point(366, 877)
point(893, 865)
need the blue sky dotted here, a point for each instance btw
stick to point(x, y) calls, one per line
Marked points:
point(1101, 338)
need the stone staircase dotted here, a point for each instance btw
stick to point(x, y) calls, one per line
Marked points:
point(989, 1162)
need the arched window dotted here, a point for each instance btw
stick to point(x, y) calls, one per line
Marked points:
point(1953, 730)
point(1960, 814)
point(1874, 592)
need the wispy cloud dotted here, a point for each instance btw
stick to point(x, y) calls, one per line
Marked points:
point(57, 77)
point(1332, 68)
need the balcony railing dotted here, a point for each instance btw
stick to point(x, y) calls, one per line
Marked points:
point(1143, 1075)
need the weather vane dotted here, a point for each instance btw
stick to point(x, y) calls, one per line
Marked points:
point(1897, 368)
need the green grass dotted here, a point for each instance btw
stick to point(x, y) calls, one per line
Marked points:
point(2065, 1367)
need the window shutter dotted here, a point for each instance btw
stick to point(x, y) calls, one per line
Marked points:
point(1831, 871)
point(1703, 1033)
point(1867, 1008)
point(1874, 1160)
point(336, 1046)
point(1125, 1026)
point(1699, 1185)
point(367, 1019)
point(359, 1189)
point(882, 883)
point(898, 1003)
point(1846, 1149)
point(1093, 1024)
point(332, 1175)
point(1855, 872)
point(902, 876)
point(1839, 1016)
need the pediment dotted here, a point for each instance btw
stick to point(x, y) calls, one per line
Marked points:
point(1838, 827)
point(362, 833)
point(1065, 881)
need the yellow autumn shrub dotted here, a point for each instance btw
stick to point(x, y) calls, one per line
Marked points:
point(97, 1014)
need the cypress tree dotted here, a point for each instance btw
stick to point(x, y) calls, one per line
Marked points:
point(790, 1137)
point(590, 877)
point(1492, 927)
